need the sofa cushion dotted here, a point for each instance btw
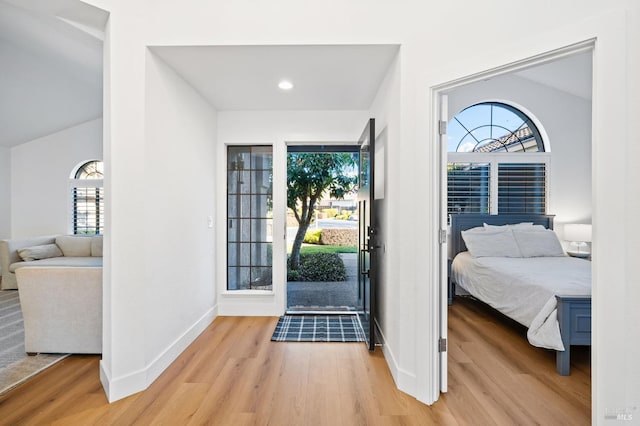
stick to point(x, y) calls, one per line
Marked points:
point(96, 246)
point(59, 261)
point(74, 246)
point(44, 251)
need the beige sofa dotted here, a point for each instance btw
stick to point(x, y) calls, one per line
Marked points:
point(61, 250)
point(62, 309)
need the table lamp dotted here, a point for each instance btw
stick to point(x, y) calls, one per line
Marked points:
point(578, 235)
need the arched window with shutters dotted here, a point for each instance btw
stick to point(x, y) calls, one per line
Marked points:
point(87, 198)
point(497, 162)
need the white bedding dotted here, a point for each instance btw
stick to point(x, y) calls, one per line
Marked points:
point(524, 289)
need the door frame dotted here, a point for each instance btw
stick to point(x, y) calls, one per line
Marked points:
point(328, 147)
point(439, 101)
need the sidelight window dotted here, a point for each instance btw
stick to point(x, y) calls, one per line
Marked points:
point(249, 217)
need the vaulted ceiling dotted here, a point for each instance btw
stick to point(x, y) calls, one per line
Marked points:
point(51, 68)
point(51, 72)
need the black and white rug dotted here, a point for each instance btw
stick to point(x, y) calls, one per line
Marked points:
point(318, 328)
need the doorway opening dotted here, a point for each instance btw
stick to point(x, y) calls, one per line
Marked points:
point(539, 87)
point(322, 229)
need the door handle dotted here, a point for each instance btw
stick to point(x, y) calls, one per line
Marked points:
point(365, 273)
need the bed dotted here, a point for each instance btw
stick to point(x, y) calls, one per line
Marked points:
point(537, 286)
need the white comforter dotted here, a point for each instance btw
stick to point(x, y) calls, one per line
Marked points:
point(524, 289)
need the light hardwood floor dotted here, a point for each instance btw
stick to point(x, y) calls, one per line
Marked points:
point(234, 375)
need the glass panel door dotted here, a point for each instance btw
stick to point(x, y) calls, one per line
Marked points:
point(367, 235)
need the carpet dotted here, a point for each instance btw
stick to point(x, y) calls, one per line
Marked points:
point(318, 328)
point(16, 366)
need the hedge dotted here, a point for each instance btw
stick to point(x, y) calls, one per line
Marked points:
point(319, 267)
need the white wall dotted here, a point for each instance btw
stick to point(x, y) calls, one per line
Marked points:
point(40, 171)
point(566, 119)
point(176, 264)
point(432, 55)
point(275, 128)
point(5, 192)
point(391, 311)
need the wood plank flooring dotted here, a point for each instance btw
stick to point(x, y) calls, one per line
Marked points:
point(234, 375)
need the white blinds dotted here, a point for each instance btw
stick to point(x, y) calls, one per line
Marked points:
point(497, 187)
point(522, 188)
point(88, 210)
point(468, 187)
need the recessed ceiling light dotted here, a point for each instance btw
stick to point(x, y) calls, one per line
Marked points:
point(285, 85)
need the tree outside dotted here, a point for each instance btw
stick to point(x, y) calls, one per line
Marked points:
point(310, 178)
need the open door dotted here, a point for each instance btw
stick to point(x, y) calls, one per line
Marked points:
point(444, 261)
point(367, 235)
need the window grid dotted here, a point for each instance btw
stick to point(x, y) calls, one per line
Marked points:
point(497, 162)
point(249, 219)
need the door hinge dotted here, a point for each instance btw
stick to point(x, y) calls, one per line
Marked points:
point(442, 237)
point(442, 345)
point(442, 127)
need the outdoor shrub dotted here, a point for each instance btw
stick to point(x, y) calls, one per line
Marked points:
point(313, 237)
point(330, 212)
point(293, 275)
point(321, 267)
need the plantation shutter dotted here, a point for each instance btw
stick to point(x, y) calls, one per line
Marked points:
point(522, 188)
point(468, 187)
point(88, 210)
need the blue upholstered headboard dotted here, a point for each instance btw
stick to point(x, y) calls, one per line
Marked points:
point(462, 222)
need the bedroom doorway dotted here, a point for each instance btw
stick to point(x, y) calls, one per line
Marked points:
point(549, 73)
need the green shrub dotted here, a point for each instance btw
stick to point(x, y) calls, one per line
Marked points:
point(319, 267)
point(330, 212)
point(292, 275)
point(313, 237)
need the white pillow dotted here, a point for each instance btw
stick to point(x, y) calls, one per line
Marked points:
point(491, 243)
point(45, 251)
point(538, 243)
point(476, 229)
point(521, 225)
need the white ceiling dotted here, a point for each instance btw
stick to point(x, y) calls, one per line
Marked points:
point(51, 71)
point(325, 77)
point(571, 74)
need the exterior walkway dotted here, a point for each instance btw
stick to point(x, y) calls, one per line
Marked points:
point(341, 295)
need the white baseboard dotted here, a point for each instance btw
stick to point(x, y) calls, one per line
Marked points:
point(405, 381)
point(123, 386)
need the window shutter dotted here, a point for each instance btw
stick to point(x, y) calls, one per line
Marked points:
point(468, 187)
point(88, 210)
point(522, 188)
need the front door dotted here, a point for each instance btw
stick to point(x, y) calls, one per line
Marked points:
point(367, 235)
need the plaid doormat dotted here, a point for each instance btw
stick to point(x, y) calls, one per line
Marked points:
point(318, 328)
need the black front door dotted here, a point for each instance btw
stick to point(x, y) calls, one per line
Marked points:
point(367, 235)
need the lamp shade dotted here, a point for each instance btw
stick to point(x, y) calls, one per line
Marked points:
point(577, 232)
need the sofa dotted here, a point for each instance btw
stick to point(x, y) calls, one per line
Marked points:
point(51, 251)
point(61, 308)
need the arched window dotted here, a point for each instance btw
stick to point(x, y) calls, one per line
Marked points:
point(497, 161)
point(88, 198)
